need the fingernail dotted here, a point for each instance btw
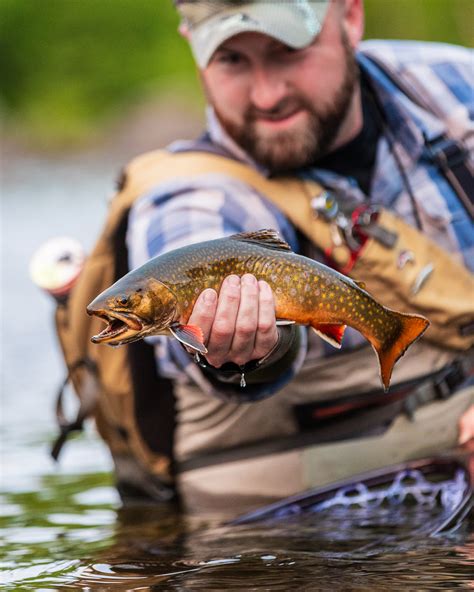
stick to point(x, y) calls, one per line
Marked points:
point(209, 296)
point(233, 280)
point(248, 279)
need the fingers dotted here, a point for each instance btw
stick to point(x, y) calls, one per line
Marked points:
point(246, 325)
point(223, 327)
point(267, 333)
point(466, 426)
point(238, 325)
point(204, 312)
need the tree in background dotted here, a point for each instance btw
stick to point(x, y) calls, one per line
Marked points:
point(71, 66)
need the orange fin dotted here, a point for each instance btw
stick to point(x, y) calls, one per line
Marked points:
point(190, 335)
point(332, 333)
point(408, 329)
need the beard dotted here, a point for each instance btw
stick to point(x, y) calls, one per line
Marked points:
point(284, 151)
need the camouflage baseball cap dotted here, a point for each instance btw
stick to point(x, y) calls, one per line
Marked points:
point(211, 22)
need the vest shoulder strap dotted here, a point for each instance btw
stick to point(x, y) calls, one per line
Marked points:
point(160, 166)
point(291, 194)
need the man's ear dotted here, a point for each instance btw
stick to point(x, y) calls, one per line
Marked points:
point(353, 21)
point(183, 30)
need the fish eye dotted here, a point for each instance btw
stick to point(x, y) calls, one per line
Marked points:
point(122, 300)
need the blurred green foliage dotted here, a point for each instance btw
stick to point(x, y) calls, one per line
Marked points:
point(447, 21)
point(69, 66)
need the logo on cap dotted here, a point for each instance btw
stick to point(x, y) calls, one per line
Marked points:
point(236, 19)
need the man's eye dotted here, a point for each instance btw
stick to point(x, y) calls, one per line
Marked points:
point(290, 51)
point(232, 58)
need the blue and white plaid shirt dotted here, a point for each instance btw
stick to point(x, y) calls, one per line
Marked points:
point(185, 211)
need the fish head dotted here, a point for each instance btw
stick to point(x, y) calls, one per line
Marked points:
point(133, 309)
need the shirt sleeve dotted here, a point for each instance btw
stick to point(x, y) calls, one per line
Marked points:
point(177, 214)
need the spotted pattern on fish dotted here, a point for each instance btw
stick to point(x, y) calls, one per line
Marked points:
point(305, 291)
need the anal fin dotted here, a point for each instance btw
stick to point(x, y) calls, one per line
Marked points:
point(332, 333)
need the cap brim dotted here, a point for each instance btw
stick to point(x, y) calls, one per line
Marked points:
point(295, 25)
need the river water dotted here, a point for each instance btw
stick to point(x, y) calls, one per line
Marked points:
point(63, 526)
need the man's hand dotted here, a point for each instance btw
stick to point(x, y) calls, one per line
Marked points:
point(466, 425)
point(239, 325)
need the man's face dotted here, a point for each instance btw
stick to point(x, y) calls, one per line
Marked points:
point(285, 107)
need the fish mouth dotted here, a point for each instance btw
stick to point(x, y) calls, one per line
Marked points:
point(121, 327)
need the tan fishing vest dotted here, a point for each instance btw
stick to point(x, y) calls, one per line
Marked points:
point(445, 297)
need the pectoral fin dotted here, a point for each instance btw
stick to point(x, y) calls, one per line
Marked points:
point(331, 333)
point(189, 335)
point(283, 322)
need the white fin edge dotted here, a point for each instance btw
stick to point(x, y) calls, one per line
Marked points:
point(330, 340)
point(200, 350)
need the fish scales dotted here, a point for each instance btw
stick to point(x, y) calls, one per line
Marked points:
point(329, 299)
point(160, 295)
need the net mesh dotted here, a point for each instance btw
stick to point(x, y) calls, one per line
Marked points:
point(408, 486)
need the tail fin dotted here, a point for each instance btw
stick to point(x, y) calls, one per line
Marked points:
point(410, 328)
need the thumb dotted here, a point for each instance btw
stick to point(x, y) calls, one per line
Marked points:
point(204, 311)
point(466, 425)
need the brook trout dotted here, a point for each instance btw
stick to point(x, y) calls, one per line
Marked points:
point(158, 297)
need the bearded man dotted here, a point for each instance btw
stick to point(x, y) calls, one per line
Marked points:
point(292, 91)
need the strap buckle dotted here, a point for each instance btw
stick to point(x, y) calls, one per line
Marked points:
point(451, 379)
point(445, 152)
point(366, 226)
point(452, 159)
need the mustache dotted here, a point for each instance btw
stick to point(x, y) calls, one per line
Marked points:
point(284, 108)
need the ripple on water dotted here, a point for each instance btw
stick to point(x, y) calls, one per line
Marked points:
point(98, 496)
point(31, 536)
point(87, 518)
point(47, 572)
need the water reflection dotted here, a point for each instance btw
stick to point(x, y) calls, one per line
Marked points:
point(303, 555)
point(64, 536)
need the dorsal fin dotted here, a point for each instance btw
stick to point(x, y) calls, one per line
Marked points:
point(266, 237)
point(360, 284)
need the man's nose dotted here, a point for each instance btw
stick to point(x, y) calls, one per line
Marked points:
point(268, 89)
